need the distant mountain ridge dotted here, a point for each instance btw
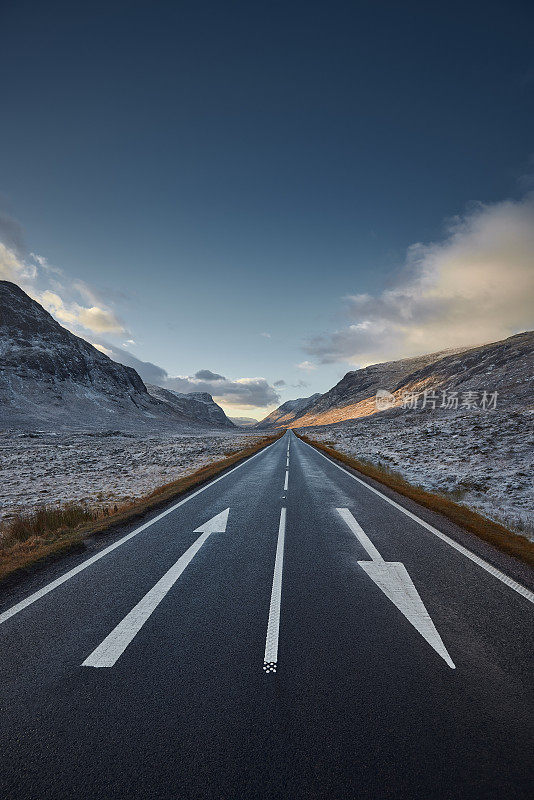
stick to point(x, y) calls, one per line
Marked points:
point(506, 367)
point(282, 415)
point(197, 406)
point(244, 422)
point(50, 378)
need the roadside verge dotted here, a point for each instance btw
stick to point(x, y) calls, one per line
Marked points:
point(51, 532)
point(497, 535)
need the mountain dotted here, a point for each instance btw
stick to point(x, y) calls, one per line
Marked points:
point(506, 367)
point(200, 407)
point(244, 422)
point(288, 411)
point(50, 378)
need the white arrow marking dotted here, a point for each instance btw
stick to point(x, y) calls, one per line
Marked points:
point(358, 531)
point(5, 615)
point(270, 659)
point(114, 645)
point(489, 568)
point(393, 579)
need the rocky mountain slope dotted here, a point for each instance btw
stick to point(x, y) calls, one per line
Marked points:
point(199, 407)
point(282, 416)
point(475, 446)
point(51, 379)
point(506, 367)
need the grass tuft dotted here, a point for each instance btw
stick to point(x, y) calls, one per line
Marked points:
point(44, 522)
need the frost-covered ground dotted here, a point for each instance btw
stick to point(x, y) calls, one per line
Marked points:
point(101, 469)
point(482, 460)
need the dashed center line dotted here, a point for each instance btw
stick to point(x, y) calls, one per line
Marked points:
point(286, 481)
point(270, 661)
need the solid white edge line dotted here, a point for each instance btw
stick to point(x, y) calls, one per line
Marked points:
point(32, 598)
point(270, 659)
point(517, 587)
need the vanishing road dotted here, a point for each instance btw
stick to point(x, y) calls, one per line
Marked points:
point(287, 631)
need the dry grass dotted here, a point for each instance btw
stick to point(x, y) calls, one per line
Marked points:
point(49, 530)
point(500, 537)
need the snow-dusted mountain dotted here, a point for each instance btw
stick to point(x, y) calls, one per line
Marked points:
point(506, 367)
point(51, 379)
point(200, 407)
point(284, 414)
point(244, 422)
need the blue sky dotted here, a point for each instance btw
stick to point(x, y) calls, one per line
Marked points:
point(207, 173)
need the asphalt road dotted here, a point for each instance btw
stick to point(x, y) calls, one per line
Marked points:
point(253, 641)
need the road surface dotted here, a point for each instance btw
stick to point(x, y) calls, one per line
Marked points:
point(286, 631)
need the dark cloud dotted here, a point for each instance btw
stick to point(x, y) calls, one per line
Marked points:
point(297, 385)
point(246, 392)
point(150, 373)
point(11, 233)
point(208, 375)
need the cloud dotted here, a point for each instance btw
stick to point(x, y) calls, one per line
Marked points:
point(34, 272)
point(43, 263)
point(239, 392)
point(105, 350)
point(208, 375)
point(99, 320)
point(266, 335)
point(11, 233)
point(306, 365)
point(149, 372)
point(15, 269)
point(34, 275)
point(475, 286)
point(242, 392)
point(95, 319)
point(300, 384)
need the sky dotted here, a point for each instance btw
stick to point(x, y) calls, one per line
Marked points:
point(253, 198)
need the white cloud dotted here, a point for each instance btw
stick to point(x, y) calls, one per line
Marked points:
point(306, 365)
point(106, 350)
point(41, 260)
point(97, 317)
point(475, 286)
point(99, 320)
point(266, 335)
point(43, 263)
point(15, 269)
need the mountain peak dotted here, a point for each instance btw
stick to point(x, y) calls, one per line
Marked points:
point(50, 378)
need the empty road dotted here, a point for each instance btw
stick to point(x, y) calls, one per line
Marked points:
point(286, 631)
